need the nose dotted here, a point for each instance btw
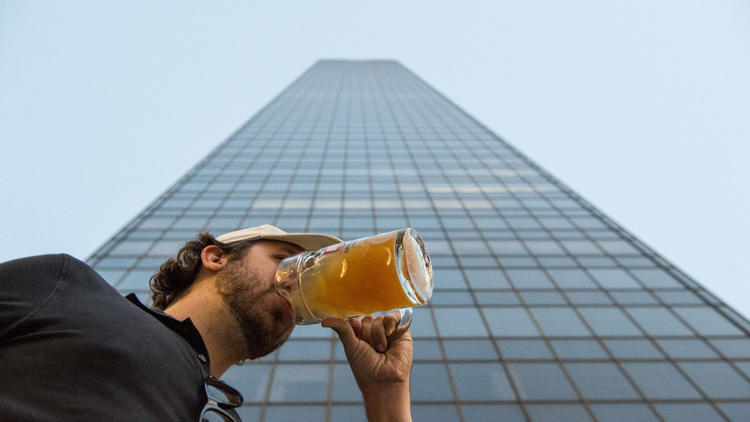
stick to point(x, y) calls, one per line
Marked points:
point(284, 282)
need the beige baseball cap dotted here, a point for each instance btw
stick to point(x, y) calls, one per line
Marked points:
point(306, 241)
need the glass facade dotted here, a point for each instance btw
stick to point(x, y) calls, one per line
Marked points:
point(544, 309)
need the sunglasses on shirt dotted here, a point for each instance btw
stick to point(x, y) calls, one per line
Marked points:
point(222, 399)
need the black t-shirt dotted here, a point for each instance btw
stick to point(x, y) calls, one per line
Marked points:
point(72, 348)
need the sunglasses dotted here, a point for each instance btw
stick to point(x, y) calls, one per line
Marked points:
point(222, 399)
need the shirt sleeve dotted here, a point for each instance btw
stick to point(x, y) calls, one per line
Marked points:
point(25, 285)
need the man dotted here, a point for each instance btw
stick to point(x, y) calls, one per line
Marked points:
point(71, 348)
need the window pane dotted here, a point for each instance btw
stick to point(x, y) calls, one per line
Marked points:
point(656, 278)
point(578, 349)
point(686, 348)
point(614, 279)
point(558, 412)
point(344, 386)
point(426, 350)
point(505, 413)
point(421, 324)
point(481, 381)
point(487, 278)
point(250, 379)
point(660, 381)
point(529, 279)
point(496, 298)
point(733, 348)
point(717, 379)
point(571, 279)
point(600, 381)
point(346, 413)
point(460, 322)
point(634, 297)
point(609, 322)
point(448, 279)
point(658, 321)
point(541, 381)
point(588, 298)
point(623, 413)
point(559, 322)
point(510, 322)
point(534, 297)
point(429, 381)
point(736, 411)
point(442, 297)
point(524, 349)
point(305, 350)
point(300, 383)
point(688, 412)
point(633, 349)
point(469, 349)
point(707, 321)
point(433, 412)
point(295, 413)
point(249, 413)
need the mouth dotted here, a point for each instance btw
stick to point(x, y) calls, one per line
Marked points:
point(287, 307)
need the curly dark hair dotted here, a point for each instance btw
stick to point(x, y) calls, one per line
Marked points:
point(178, 273)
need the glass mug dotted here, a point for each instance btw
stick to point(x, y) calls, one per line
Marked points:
point(386, 272)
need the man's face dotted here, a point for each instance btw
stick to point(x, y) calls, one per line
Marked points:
point(248, 288)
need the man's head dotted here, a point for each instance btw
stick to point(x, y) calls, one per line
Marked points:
point(241, 265)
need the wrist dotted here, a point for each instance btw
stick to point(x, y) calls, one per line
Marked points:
point(388, 402)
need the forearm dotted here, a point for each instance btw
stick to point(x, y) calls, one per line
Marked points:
point(388, 404)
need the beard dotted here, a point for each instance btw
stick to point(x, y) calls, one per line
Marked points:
point(264, 330)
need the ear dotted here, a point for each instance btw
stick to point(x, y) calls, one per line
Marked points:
point(213, 258)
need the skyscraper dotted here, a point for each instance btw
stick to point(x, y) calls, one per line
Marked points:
point(544, 308)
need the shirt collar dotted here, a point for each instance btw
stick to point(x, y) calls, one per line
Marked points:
point(184, 328)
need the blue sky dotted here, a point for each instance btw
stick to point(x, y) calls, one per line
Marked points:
point(639, 106)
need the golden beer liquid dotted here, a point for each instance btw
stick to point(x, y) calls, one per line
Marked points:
point(358, 278)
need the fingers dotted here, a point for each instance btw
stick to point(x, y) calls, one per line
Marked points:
point(377, 332)
point(390, 322)
point(344, 329)
point(366, 334)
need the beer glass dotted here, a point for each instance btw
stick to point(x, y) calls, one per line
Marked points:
point(386, 272)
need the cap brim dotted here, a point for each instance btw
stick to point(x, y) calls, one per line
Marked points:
point(306, 241)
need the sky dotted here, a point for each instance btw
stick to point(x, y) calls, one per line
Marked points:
point(639, 106)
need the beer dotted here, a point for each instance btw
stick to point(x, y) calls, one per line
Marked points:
point(374, 274)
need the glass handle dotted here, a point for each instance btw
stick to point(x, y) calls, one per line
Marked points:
point(407, 314)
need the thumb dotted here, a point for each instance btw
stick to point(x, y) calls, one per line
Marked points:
point(344, 330)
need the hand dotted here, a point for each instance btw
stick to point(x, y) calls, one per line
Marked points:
point(380, 356)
